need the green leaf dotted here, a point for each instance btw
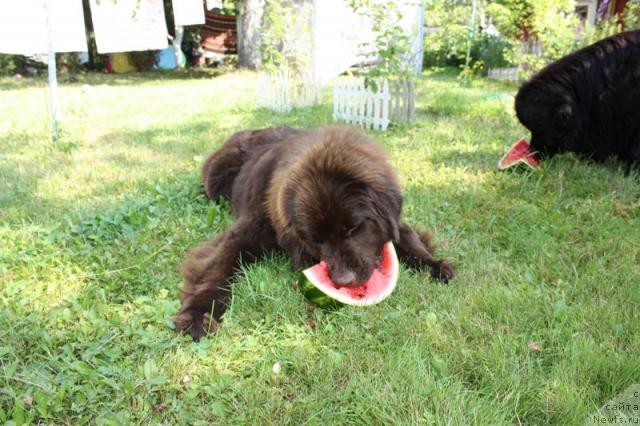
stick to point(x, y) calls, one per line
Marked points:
point(19, 415)
point(42, 402)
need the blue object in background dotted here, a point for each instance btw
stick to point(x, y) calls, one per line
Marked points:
point(166, 58)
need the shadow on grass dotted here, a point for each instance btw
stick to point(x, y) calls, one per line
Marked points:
point(206, 135)
point(483, 158)
point(451, 75)
point(131, 246)
point(22, 185)
point(98, 78)
point(448, 74)
point(19, 198)
point(20, 179)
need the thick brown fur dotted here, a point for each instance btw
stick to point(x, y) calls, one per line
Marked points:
point(325, 194)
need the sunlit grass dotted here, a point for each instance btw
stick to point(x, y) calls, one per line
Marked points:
point(93, 229)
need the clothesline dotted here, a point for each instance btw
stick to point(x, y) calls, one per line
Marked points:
point(29, 27)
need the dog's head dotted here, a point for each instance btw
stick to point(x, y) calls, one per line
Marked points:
point(344, 204)
point(548, 111)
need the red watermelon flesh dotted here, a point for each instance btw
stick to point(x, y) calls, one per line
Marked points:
point(519, 153)
point(380, 284)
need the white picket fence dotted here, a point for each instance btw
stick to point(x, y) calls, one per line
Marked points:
point(403, 101)
point(279, 91)
point(354, 103)
point(504, 74)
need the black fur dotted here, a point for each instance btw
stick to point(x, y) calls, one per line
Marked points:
point(587, 102)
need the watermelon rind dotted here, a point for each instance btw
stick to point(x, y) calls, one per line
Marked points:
point(317, 297)
point(526, 159)
point(326, 295)
point(515, 164)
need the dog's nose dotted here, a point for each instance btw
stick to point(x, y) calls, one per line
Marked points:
point(343, 277)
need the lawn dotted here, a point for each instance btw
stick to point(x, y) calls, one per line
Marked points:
point(540, 326)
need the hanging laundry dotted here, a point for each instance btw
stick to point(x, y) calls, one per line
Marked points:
point(129, 25)
point(23, 26)
point(188, 12)
point(214, 4)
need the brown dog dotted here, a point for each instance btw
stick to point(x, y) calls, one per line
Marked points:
point(326, 194)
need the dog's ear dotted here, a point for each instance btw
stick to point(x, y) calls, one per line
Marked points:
point(387, 206)
point(563, 115)
point(395, 229)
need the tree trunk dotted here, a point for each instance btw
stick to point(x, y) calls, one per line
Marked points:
point(249, 30)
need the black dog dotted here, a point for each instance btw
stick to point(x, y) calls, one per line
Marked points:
point(587, 102)
point(326, 194)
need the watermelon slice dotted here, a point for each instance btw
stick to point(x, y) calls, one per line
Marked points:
point(519, 153)
point(321, 291)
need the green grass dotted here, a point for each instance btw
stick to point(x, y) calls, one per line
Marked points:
point(93, 229)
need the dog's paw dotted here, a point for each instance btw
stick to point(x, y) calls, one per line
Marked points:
point(195, 323)
point(443, 272)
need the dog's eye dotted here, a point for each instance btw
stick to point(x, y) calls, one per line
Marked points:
point(350, 232)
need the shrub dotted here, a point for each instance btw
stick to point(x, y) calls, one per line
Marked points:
point(447, 46)
point(8, 64)
point(491, 51)
point(630, 16)
point(551, 23)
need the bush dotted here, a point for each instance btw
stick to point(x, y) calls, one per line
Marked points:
point(550, 24)
point(8, 64)
point(605, 28)
point(491, 51)
point(143, 60)
point(12, 64)
point(448, 45)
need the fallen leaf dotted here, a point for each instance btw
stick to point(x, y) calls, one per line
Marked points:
point(534, 346)
point(160, 408)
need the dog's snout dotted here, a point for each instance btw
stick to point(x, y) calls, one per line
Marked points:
point(343, 278)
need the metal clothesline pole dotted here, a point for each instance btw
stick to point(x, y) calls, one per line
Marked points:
point(53, 80)
point(470, 37)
